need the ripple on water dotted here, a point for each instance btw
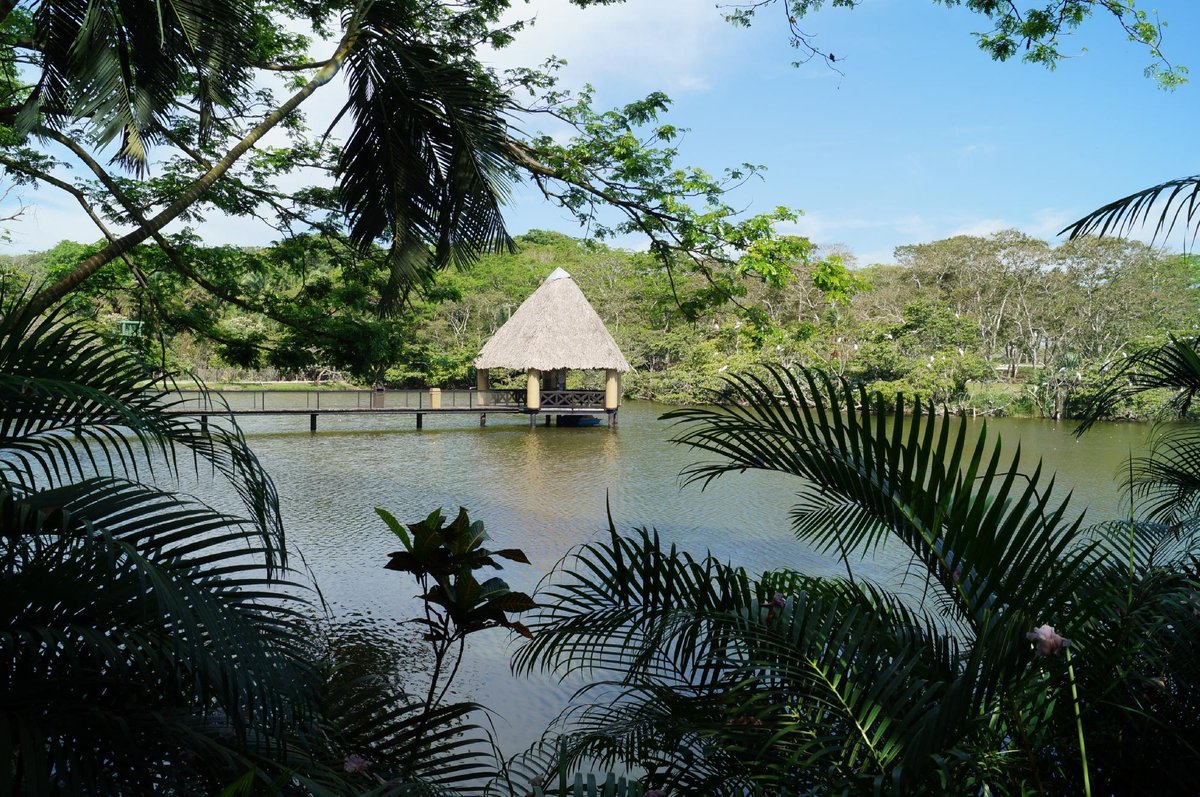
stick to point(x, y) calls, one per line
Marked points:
point(545, 491)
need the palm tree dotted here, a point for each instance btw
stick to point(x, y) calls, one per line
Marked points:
point(153, 644)
point(149, 641)
point(959, 680)
point(423, 172)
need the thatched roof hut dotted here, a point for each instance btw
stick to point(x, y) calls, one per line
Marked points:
point(554, 329)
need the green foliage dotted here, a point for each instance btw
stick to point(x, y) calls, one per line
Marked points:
point(150, 643)
point(1033, 32)
point(624, 159)
point(717, 682)
point(444, 559)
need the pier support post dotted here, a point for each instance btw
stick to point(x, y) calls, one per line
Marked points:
point(483, 419)
point(612, 419)
point(612, 390)
point(533, 420)
point(420, 418)
point(312, 422)
point(533, 390)
point(547, 420)
point(204, 423)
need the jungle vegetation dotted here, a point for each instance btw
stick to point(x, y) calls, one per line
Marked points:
point(1004, 324)
point(151, 644)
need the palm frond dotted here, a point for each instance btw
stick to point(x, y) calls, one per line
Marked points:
point(1173, 365)
point(623, 605)
point(707, 670)
point(1178, 199)
point(976, 524)
point(73, 407)
point(838, 685)
point(120, 66)
point(1146, 545)
point(1166, 481)
point(424, 167)
point(128, 616)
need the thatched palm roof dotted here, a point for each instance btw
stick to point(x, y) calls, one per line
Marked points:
point(554, 328)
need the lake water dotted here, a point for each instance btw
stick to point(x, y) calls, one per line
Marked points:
point(544, 491)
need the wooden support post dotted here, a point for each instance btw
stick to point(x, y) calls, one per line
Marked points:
point(204, 423)
point(612, 390)
point(533, 420)
point(533, 390)
point(612, 419)
point(483, 419)
point(547, 419)
point(435, 398)
point(312, 422)
point(420, 417)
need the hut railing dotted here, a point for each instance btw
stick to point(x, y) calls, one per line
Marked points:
point(488, 398)
point(573, 399)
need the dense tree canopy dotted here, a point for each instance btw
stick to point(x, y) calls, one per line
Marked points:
point(149, 112)
point(1004, 323)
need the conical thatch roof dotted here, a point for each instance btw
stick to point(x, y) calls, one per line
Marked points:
point(554, 328)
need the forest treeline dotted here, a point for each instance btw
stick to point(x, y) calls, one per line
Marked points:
point(1003, 324)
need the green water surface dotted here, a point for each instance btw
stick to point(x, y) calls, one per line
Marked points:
point(545, 491)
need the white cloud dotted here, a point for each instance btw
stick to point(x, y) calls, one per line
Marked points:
point(978, 149)
point(642, 45)
point(1047, 222)
point(983, 227)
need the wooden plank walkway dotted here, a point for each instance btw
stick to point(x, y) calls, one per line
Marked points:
point(418, 403)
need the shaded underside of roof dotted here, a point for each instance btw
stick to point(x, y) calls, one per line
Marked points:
point(554, 328)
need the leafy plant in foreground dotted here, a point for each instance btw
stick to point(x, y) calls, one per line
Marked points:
point(148, 642)
point(958, 681)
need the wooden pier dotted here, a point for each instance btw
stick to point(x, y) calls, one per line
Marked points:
point(418, 403)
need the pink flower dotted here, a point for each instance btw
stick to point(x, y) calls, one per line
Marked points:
point(1046, 641)
point(778, 600)
point(355, 764)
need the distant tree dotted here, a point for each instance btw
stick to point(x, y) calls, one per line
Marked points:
point(166, 108)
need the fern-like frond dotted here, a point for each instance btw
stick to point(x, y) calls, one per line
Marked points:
point(424, 166)
point(1177, 200)
point(73, 407)
point(120, 66)
point(128, 617)
point(977, 525)
point(1173, 365)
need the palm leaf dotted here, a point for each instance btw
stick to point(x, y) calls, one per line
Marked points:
point(1178, 199)
point(151, 611)
point(120, 66)
point(424, 166)
point(1174, 365)
point(702, 674)
point(73, 408)
point(973, 521)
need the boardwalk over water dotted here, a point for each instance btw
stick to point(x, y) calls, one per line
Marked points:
point(418, 403)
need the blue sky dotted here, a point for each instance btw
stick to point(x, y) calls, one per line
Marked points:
point(922, 137)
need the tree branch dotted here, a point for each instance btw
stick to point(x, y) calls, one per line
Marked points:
point(45, 298)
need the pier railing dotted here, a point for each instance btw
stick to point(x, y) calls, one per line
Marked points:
point(217, 401)
point(573, 399)
point(326, 401)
